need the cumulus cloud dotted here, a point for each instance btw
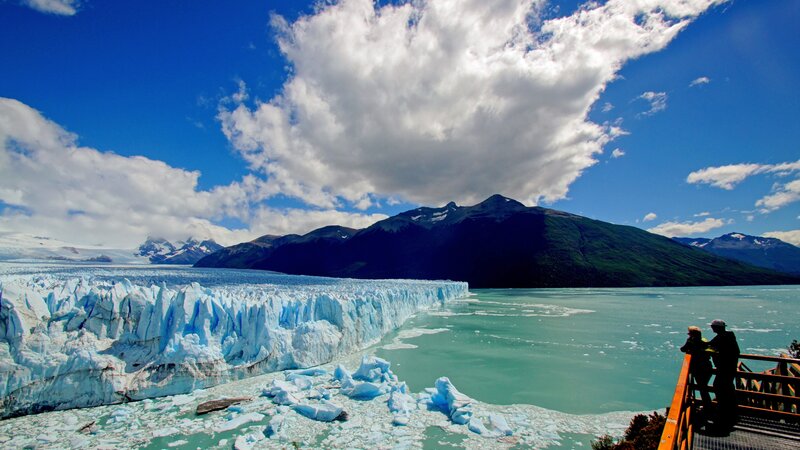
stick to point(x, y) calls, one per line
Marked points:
point(51, 186)
point(267, 220)
point(435, 101)
point(59, 7)
point(650, 216)
point(791, 236)
point(727, 177)
point(784, 194)
point(672, 229)
point(699, 81)
point(657, 100)
point(617, 153)
point(724, 177)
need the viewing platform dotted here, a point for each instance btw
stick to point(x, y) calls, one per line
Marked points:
point(768, 409)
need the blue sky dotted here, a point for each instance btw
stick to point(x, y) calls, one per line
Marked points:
point(261, 117)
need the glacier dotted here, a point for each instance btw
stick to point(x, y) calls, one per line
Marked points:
point(79, 337)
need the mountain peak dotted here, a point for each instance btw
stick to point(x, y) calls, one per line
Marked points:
point(498, 199)
point(735, 235)
point(766, 252)
point(161, 251)
point(497, 205)
point(496, 243)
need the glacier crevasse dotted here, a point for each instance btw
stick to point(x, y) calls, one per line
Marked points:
point(81, 342)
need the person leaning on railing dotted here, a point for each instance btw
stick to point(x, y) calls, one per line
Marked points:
point(725, 353)
point(700, 367)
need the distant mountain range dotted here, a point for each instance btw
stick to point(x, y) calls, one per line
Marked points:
point(161, 251)
point(759, 251)
point(497, 243)
point(26, 247)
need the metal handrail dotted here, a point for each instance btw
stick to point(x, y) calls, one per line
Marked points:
point(764, 399)
point(678, 430)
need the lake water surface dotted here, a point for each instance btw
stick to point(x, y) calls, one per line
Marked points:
point(583, 351)
point(561, 365)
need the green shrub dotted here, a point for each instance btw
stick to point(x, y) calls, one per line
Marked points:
point(643, 433)
point(604, 442)
point(794, 349)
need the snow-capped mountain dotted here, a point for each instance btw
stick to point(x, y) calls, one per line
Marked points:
point(759, 251)
point(162, 251)
point(498, 243)
point(22, 246)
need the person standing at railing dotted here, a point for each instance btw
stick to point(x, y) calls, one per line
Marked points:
point(725, 353)
point(700, 367)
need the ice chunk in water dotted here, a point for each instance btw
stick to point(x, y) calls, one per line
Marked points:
point(373, 369)
point(446, 398)
point(239, 420)
point(324, 412)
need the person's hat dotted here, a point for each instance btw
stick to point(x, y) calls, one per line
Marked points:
point(718, 323)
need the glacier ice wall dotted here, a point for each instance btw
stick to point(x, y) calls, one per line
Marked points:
point(76, 342)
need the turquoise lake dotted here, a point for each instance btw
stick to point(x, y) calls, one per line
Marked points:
point(584, 351)
point(561, 365)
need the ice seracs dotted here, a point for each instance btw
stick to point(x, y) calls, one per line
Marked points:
point(445, 397)
point(82, 341)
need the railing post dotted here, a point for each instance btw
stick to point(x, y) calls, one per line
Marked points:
point(674, 433)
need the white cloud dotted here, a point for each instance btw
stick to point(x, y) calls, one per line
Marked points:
point(607, 107)
point(724, 177)
point(699, 81)
point(59, 7)
point(785, 194)
point(300, 221)
point(750, 218)
point(650, 216)
point(702, 214)
point(727, 177)
point(791, 236)
point(617, 153)
point(657, 100)
point(52, 186)
point(435, 101)
point(672, 229)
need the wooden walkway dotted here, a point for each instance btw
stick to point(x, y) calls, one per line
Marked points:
point(768, 409)
point(751, 434)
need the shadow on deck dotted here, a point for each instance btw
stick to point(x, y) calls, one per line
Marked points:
point(751, 433)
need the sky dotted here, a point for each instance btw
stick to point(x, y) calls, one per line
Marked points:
point(231, 120)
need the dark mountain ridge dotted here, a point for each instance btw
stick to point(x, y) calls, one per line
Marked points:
point(769, 253)
point(496, 243)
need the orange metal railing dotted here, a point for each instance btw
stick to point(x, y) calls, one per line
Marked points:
point(773, 393)
point(678, 430)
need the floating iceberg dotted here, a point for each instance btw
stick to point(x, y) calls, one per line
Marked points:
point(401, 404)
point(446, 398)
point(323, 412)
point(84, 341)
point(376, 375)
point(258, 423)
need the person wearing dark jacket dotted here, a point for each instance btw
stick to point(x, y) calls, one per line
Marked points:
point(725, 353)
point(700, 367)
